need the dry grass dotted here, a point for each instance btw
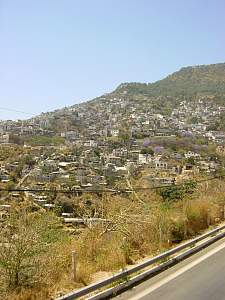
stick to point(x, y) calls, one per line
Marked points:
point(139, 226)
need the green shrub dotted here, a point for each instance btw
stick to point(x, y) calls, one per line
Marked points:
point(178, 192)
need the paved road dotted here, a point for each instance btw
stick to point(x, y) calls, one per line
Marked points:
point(200, 277)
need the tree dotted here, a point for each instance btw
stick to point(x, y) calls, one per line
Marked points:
point(28, 160)
point(147, 151)
point(27, 237)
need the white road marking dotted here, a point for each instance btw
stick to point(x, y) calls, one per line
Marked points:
point(176, 274)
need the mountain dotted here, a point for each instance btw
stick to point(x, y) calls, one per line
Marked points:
point(189, 81)
point(192, 98)
point(190, 84)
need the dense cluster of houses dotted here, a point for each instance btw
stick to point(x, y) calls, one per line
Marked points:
point(108, 116)
point(105, 141)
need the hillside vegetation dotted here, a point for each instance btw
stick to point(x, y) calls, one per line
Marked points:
point(37, 263)
point(205, 79)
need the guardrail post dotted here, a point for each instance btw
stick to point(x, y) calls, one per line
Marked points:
point(74, 265)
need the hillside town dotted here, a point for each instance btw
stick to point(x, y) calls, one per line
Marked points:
point(108, 143)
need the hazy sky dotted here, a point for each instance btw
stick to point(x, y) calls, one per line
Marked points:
point(55, 53)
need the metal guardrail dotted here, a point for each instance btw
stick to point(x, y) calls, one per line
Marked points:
point(123, 274)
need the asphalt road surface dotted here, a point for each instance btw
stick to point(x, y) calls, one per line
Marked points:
point(200, 277)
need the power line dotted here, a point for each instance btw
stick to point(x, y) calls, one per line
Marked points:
point(76, 191)
point(14, 110)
